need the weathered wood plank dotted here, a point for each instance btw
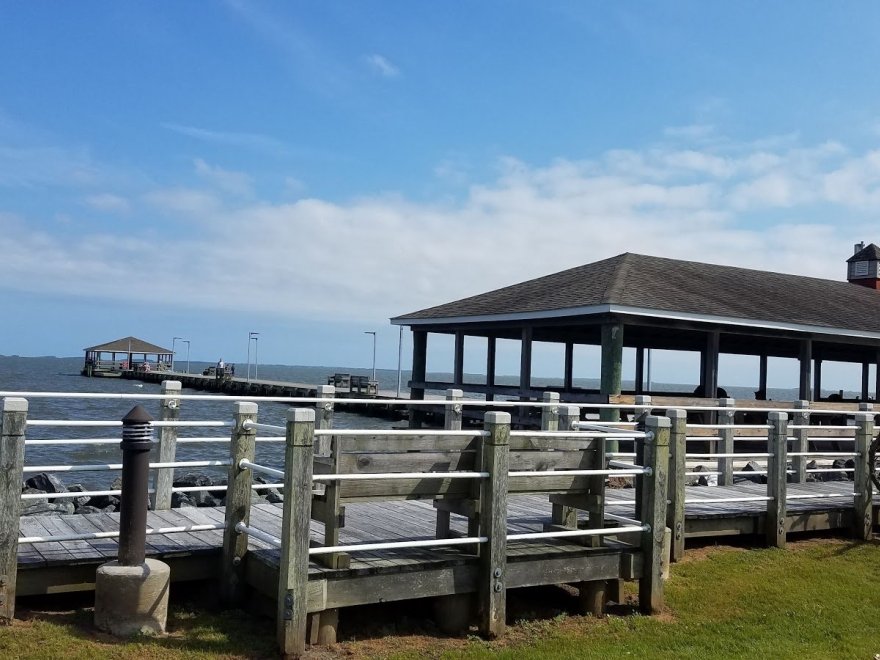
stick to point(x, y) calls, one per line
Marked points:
point(13, 420)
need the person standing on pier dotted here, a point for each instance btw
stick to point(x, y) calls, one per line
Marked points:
point(221, 367)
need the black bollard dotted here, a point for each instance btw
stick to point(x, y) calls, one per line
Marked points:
point(136, 445)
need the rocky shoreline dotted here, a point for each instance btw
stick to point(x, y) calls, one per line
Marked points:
point(48, 484)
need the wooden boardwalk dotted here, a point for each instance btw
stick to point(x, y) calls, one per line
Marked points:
point(53, 567)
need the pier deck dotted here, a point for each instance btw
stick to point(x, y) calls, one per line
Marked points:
point(54, 567)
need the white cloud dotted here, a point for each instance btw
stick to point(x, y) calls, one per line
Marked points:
point(235, 183)
point(254, 141)
point(382, 66)
point(380, 256)
point(108, 203)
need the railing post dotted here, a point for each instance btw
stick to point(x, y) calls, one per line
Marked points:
point(802, 440)
point(776, 479)
point(238, 503)
point(13, 420)
point(294, 564)
point(565, 419)
point(491, 588)
point(725, 465)
point(550, 413)
point(164, 477)
point(324, 418)
point(676, 492)
point(863, 514)
point(653, 500)
point(451, 422)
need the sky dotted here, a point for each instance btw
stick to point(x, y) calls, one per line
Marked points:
point(307, 170)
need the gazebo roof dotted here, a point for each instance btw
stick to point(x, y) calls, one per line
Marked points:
point(642, 285)
point(130, 345)
point(869, 253)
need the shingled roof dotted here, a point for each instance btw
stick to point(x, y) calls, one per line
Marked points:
point(635, 283)
point(130, 345)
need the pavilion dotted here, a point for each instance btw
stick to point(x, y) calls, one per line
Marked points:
point(647, 302)
point(114, 357)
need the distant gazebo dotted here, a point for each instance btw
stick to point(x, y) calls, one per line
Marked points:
point(646, 302)
point(129, 353)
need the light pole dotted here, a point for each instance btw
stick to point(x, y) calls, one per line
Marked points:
point(252, 336)
point(173, 342)
point(373, 332)
point(186, 341)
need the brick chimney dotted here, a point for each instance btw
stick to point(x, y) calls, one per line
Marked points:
point(863, 268)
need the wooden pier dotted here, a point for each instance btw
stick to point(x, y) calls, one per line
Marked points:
point(456, 515)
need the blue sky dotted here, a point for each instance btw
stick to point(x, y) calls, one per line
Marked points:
point(309, 169)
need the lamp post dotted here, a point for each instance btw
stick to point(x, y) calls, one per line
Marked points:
point(252, 336)
point(373, 332)
point(173, 342)
point(186, 341)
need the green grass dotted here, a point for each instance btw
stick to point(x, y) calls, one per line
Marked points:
point(818, 599)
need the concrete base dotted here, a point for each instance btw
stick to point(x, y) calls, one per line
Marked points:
point(132, 600)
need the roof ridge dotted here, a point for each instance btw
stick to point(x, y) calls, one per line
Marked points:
point(617, 281)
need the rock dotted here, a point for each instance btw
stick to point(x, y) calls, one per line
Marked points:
point(850, 464)
point(705, 480)
point(48, 509)
point(78, 501)
point(752, 466)
point(117, 484)
point(27, 490)
point(181, 499)
point(48, 483)
point(204, 498)
point(256, 498)
point(87, 509)
point(812, 477)
point(619, 482)
point(273, 496)
point(193, 479)
point(103, 502)
point(111, 508)
point(835, 476)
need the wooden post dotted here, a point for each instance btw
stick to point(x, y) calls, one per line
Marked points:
point(324, 418)
point(568, 370)
point(762, 375)
point(802, 440)
point(653, 508)
point(13, 420)
point(677, 468)
point(863, 513)
point(866, 379)
point(525, 363)
point(491, 349)
point(565, 420)
point(640, 370)
point(611, 374)
point(458, 364)
point(163, 479)
point(709, 377)
point(419, 365)
point(451, 422)
point(491, 589)
point(550, 413)
point(293, 568)
point(806, 361)
point(238, 504)
point(776, 479)
point(725, 465)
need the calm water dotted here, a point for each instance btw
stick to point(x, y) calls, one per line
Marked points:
point(62, 375)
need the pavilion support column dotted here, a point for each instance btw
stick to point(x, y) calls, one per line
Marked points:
point(491, 345)
point(611, 374)
point(525, 364)
point(762, 376)
point(806, 360)
point(419, 370)
point(568, 374)
point(817, 379)
point(709, 375)
point(866, 366)
point(640, 370)
point(458, 369)
point(877, 377)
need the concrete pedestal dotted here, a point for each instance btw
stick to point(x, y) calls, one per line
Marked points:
point(132, 599)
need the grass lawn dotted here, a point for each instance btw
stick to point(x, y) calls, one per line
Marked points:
point(817, 599)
